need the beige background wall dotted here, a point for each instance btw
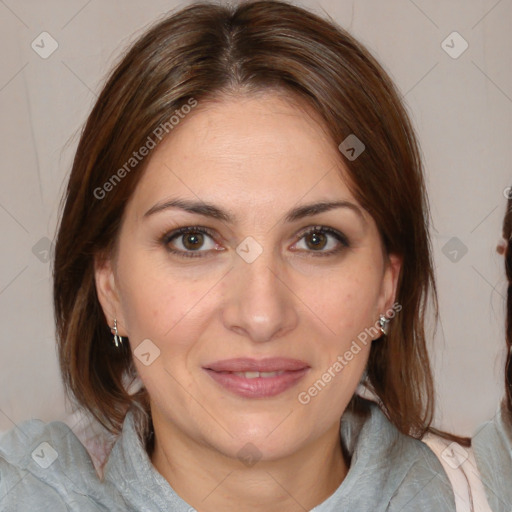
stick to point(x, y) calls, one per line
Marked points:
point(461, 107)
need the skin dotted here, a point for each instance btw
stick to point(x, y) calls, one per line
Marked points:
point(256, 157)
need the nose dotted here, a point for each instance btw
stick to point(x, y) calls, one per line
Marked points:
point(260, 303)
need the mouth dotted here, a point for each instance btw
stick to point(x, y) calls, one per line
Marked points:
point(252, 378)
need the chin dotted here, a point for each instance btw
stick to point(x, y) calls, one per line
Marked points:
point(267, 438)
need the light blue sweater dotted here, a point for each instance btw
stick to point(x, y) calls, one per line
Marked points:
point(492, 446)
point(388, 472)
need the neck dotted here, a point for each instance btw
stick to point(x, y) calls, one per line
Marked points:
point(210, 481)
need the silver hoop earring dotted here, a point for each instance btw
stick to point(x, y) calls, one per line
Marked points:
point(383, 325)
point(118, 340)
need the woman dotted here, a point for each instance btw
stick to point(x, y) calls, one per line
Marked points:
point(492, 443)
point(244, 241)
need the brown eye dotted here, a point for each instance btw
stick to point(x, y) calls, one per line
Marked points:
point(316, 240)
point(323, 241)
point(192, 241)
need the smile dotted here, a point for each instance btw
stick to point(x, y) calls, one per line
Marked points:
point(251, 378)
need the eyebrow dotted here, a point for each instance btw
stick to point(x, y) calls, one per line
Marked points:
point(210, 210)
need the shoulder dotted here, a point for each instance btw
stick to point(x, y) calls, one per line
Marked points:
point(461, 468)
point(496, 433)
point(45, 464)
point(425, 484)
point(34, 445)
point(415, 480)
point(492, 446)
point(389, 471)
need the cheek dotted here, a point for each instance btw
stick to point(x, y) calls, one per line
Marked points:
point(347, 303)
point(158, 304)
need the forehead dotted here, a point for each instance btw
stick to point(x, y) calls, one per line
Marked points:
point(257, 149)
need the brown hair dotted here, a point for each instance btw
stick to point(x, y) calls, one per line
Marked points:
point(507, 235)
point(205, 52)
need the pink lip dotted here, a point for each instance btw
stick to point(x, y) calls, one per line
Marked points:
point(260, 387)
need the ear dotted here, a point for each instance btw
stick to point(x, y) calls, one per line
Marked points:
point(390, 282)
point(108, 293)
point(501, 248)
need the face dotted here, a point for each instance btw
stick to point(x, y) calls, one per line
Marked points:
point(240, 315)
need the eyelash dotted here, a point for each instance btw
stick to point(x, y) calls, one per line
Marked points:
point(167, 238)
